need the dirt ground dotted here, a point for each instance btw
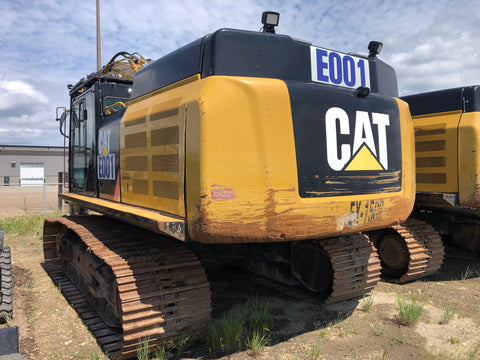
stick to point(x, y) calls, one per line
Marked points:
point(303, 329)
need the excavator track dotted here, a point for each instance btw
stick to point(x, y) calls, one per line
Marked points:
point(413, 251)
point(127, 284)
point(353, 268)
point(6, 296)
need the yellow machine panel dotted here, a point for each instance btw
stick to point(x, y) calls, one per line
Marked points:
point(152, 155)
point(436, 151)
point(469, 159)
point(240, 165)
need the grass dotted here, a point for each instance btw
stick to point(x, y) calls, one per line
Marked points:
point(143, 351)
point(23, 225)
point(410, 310)
point(447, 314)
point(8, 320)
point(469, 352)
point(454, 340)
point(315, 352)
point(256, 343)
point(474, 352)
point(400, 339)
point(244, 326)
point(93, 356)
point(379, 328)
point(467, 274)
point(323, 332)
point(367, 302)
point(160, 353)
point(227, 333)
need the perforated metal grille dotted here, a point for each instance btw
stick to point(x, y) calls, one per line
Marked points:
point(432, 178)
point(136, 163)
point(433, 145)
point(167, 163)
point(166, 189)
point(434, 161)
point(136, 140)
point(140, 186)
point(165, 136)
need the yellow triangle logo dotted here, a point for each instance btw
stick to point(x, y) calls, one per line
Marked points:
point(364, 160)
point(104, 150)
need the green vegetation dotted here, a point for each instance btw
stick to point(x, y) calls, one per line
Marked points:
point(467, 274)
point(315, 352)
point(460, 353)
point(23, 225)
point(8, 320)
point(256, 343)
point(169, 350)
point(244, 326)
point(447, 314)
point(367, 302)
point(160, 353)
point(410, 310)
point(474, 352)
point(143, 351)
point(379, 328)
point(454, 340)
point(93, 356)
point(400, 339)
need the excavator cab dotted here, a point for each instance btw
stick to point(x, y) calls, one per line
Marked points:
point(94, 103)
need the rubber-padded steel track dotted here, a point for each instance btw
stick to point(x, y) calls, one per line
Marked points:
point(6, 296)
point(162, 292)
point(425, 248)
point(356, 266)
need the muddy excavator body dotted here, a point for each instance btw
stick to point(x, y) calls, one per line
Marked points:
point(252, 147)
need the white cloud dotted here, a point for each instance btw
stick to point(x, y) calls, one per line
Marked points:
point(17, 95)
point(443, 55)
point(47, 44)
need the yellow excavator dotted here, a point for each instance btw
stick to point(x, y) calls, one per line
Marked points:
point(252, 147)
point(447, 133)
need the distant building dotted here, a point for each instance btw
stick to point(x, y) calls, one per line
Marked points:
point(31, 165)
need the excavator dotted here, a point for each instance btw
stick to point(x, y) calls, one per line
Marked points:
point(254, 147)
point(447, 128)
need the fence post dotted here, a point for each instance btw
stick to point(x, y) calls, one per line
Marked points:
point(60, 189)
point(44, 197)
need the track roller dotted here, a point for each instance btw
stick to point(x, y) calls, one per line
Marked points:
point(344, 267)
point(409, 251)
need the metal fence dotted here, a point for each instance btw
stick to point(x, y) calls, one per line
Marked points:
point(17, 200)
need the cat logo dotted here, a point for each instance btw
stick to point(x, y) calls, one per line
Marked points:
point(362, 151)
point(105, 160)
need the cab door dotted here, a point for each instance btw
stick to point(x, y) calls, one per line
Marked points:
point(82, 145)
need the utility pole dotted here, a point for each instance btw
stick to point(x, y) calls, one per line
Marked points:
point(99, 51)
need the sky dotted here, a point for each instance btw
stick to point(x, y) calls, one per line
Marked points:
point(47, 44)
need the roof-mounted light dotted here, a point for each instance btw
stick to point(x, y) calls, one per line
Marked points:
point(374, 47)
point(269, 21)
